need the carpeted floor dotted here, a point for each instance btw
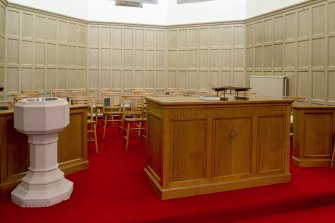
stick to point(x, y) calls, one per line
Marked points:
point(115, 189)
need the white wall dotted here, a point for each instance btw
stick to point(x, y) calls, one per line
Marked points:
point(211, 11)
point(167, 12)
point(258, 7)
point(105, 10)
point(73, 8)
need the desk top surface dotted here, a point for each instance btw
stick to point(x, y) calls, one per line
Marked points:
point(180, 100)
point(312, 106)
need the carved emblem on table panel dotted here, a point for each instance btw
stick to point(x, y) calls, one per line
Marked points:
point(220, 112)
point(232, 136)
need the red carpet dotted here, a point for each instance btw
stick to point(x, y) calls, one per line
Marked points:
point(115, 189)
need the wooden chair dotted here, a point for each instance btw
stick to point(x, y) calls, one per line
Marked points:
point(91, 123)
point(5, 105)
point(133, 117)
point(77, 92)
point(297, 100)
point(111, 109)
point(60, 93)
point(21, 96)
point(207, 93)
point(33, 93)
point(175, 92)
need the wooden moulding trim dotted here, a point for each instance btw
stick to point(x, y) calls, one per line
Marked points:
point(223, 186)
point(284, 10)
point(155, 185)
point(311, 162)
point(67, 167)
point(5, 2)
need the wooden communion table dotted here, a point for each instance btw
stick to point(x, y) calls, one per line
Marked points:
point(199, 147)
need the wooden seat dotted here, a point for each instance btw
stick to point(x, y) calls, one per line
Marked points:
point(5, 105)
point(133, 118)
point(91, 123)
point(111, 109)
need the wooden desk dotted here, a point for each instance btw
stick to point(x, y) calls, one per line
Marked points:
point(14, 147)
point(313, 135)
point(199, 147)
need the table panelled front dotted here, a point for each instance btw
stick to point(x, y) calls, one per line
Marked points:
point(14, 147)
point(313, 135)
point(198, 148)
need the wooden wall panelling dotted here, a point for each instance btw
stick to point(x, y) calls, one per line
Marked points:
point(331, 52)
point(297, 41)
point(172, 58)
point(214, 56)
point(181, 81)
point(192, 58)
point(211, 55)
point(126, 57)
point(43, 51)
point(139, 57)
point(239, 55)
point(2, 45)
point(160, 60)
point(300, 40)
point(93, 56)
point(319, 54)
point(250, 51)
point(151, 45)
point(203, 59)
point(227, 59)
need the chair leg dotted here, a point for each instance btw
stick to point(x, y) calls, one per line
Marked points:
point(333, 156)
point(127, 135)
point(105, 124)
point(96, 139)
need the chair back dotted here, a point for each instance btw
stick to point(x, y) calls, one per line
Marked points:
point(32, 93)
point(84, 100)
point(21, 96)
point(111, 101)
point(297, 100)
point(60, 93)
point(132, 105)
point(78, 92)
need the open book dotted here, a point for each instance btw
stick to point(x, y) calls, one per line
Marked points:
point(210, 98)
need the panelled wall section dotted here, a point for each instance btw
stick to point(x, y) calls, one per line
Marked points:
point(125, 57)
point(41, 50)
point(202, 57)
point(44, 51)
point(2, 44)
point(297, 42)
